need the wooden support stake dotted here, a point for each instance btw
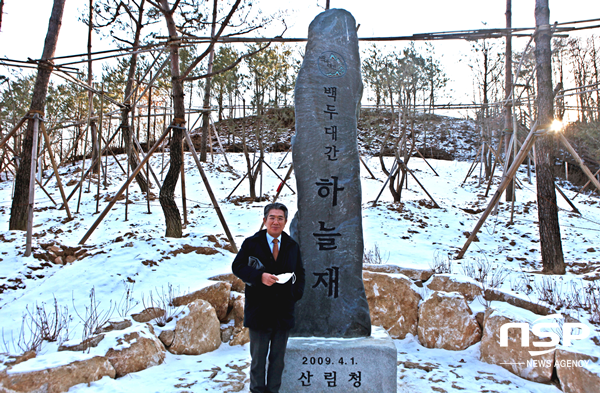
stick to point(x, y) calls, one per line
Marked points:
point(219, 141)
point(83, 166)
point(32, 178)
point(120, 192)
point(106, 157)
point(149, 167)
point(491, 180)
point(579, 161)
point(284, 157)
point(97, 158)
point(286, 178)
point(13, 131)
point(99, 141)
point(210, 193)
point(55, 168)
point(405, 169)
point(279, 177)
point(529, 141)
point(426, 162)
point(7, 147)
point(392, 170)
point(240, 182)
point(368, 170)
point(575, 210)
point(112, 153)
point(473, 165)
point(148, 145)
point(586, 184)
point(66, 158)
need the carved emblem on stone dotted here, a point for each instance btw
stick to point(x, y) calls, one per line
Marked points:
point(332, 64)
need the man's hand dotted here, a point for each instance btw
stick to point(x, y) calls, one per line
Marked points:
point(268, 279)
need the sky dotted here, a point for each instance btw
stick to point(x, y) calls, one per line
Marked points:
point(23, 31)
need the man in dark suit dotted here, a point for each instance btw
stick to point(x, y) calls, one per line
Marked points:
point(262, 263)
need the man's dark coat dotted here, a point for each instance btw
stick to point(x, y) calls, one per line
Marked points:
point(269, 307)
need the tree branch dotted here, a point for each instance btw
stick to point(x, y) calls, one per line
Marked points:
point(155, 4)
point(114, 17)
point(213, 41)
point(123, 40)
point(175, 6)
point(229, 67)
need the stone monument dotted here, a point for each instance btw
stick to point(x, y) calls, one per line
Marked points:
point(328, 225)
point(332, 347)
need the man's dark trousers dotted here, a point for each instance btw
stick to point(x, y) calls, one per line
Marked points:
point(259, 346)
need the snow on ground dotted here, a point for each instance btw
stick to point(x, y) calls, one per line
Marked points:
point(135, 251)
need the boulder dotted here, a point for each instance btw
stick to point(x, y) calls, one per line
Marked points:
point(227, 330)
point(493, 294)
point(446, 322)
point(515, 357)
point(14, 360)
point(240, 337)
point(55, 250)
point(216, 294)
point(115, 325)
point(413, 274)
point(237, 303)
point(57, 379)
point(236, 284)
point(167, 337)
point(198, 331)
point(393, 303)
point(86, 344)
point(468, 287)
point(148, 314)
point(137, 349)
point(577, 372)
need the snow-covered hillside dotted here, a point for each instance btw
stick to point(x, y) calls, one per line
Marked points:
point(134, 253)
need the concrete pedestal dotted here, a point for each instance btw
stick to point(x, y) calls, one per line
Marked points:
point(315, 364)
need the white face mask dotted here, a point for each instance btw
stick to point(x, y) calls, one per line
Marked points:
point(285, 277)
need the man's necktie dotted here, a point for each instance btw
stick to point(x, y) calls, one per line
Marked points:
point(275, 248)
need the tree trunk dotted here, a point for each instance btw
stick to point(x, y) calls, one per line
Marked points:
point(125, 123)
point(93, 128)
point(508, 122)
point(485, 116)
point(595, 64)
point(249, 164)
point(206, 103)
point(19, 209)
point(167, 191)
point(551, 245)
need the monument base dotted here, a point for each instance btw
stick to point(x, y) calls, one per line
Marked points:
point(317, 364)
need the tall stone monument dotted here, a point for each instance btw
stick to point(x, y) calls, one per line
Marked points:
point(332, 347)
point(328, 224)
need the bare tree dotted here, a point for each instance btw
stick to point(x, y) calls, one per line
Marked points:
point(135, 11)
point(167, 191)
point(93, 128)
point(207, 88)
point(1, 7)
point(20, 203)
point(551, 244)
point(508, 87)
